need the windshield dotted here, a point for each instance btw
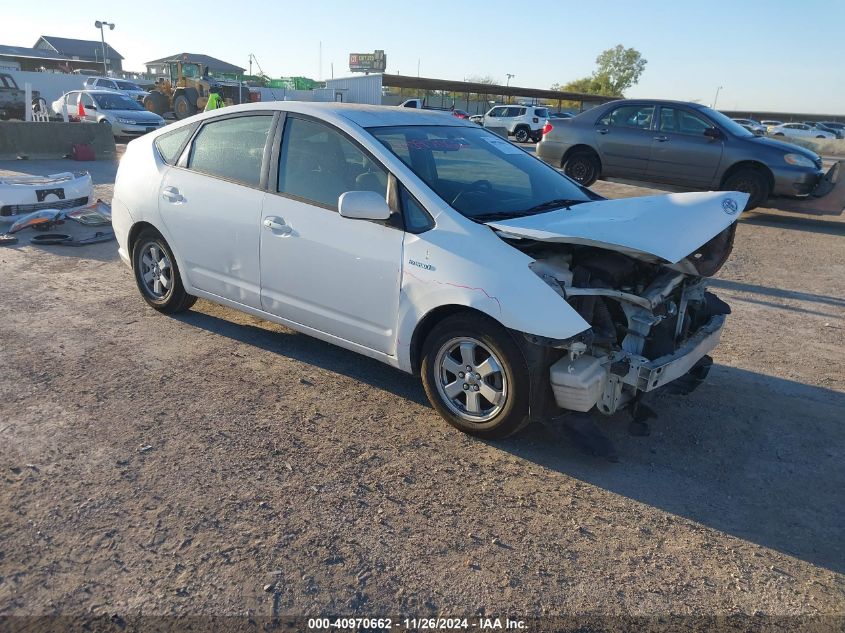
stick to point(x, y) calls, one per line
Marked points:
point(726, 123)
point(125, 85)
point(117, 102)
point(480, 174)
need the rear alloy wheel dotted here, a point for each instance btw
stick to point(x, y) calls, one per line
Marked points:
point(475, 376)
point(521, 134)
point(582, 167)
point(750, 181)
point(157, 274)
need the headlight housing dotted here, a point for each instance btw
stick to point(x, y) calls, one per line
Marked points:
point(798, 160)
point(128, 121)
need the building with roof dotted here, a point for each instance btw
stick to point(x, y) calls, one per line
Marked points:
point(61, 54)
point(82, 53)
point(158, 67)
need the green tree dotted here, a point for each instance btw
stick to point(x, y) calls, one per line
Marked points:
point(617, 69)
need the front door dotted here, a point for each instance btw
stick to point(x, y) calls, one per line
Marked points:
point(212, 206)
point(333, 274)
point(680, 152)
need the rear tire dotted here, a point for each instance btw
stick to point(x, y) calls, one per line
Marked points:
point(490, 400)
point(583, 167)
point(157, 274)
point(521, 134)
point(751, 181)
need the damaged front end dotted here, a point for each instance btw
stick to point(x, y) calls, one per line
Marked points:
point(652, 323)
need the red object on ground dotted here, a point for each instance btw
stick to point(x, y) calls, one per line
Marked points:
point(82, 151)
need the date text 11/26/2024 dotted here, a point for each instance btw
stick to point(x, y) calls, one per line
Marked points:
point(415, 624)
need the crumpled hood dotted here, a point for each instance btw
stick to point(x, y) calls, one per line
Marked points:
point(669, 227)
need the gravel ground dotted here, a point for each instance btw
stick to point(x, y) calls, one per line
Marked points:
point(216, 464)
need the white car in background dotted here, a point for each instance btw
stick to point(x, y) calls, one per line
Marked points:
point(523, 122)
point(432, 245)
point(123, 115)
point(770, 124)
point(800, 130)
point(752, 126)
point(128, 88)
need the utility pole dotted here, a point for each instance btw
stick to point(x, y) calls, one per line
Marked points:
point(716, 98)
point(100, 24)
point(510, 76)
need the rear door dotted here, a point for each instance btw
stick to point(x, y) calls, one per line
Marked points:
point(211, 205)
point(336, 275)
point(623, 137)
point(680, 152)
point(89, 106)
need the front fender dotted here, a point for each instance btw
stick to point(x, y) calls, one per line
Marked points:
point(474, 268)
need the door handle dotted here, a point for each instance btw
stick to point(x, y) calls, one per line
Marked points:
point(277, 225)
point(171, 194)
point(602, 130)
point(661, 139)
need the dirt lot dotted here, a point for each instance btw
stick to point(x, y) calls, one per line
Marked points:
point(213, 463)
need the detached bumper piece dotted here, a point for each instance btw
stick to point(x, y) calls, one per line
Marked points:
point(581, 381)
point(25, 194)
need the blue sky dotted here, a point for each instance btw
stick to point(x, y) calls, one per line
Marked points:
point(774, 55)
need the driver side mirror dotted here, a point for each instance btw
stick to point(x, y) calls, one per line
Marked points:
point(712, 132)
point(363, 205)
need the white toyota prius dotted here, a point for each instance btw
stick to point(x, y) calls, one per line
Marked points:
point(433, 245)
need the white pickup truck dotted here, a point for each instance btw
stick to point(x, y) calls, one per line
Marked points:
point(420, 104)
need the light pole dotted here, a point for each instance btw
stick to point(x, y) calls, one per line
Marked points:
point(716, 98)
point(510, 76)
point(100, 24)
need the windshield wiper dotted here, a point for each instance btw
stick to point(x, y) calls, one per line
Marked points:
point(553, 204)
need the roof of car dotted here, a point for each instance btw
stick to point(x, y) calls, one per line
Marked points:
point(361, 114)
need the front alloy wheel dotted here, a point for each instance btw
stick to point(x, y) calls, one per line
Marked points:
point(470, 379)
point(475, 376)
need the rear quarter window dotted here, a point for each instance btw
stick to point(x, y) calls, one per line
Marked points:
point(170, 145)
point(543, 113)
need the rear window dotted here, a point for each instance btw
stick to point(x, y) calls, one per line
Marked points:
point(543, 113)
point(170, 145)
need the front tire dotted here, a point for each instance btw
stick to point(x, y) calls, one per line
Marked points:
point(490, 399)
point(583, 167)
point(750, 181)
point(183, 108)
point(157, 274)
point(156, 102)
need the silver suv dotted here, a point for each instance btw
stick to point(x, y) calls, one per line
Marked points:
point(128, 88)
point(523, 122)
